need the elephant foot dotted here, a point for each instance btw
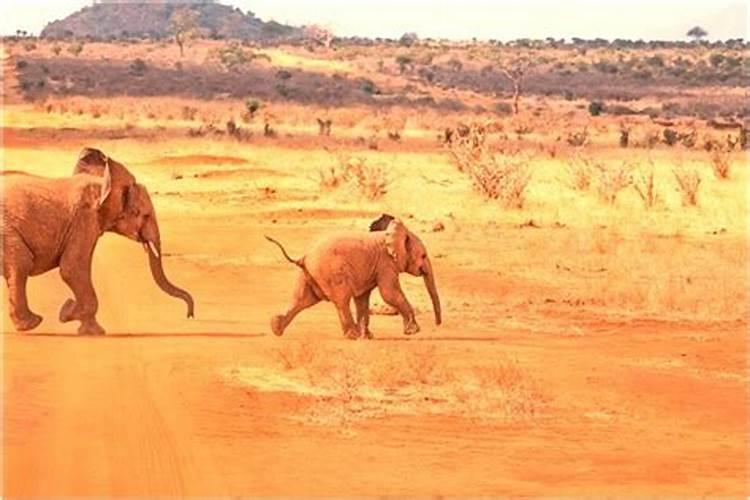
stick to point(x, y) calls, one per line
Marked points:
point(411, 328)
point(27, 322)
point(90, 327)
point(365, 333)
point(277, 325)
point(66, 311)
point(352, 333)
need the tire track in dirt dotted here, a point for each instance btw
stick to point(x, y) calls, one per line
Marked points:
point(111, 427)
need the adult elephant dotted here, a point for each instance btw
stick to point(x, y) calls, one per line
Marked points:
point(49, 223)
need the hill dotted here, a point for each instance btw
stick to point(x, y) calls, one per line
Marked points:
point(115, 19)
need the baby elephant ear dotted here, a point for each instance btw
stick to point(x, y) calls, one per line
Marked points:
point(381, 223)
point(395, 243)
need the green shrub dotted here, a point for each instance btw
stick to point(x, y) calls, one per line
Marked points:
point(716, 60)
point(596, 108)
point(369, 87)
point(252, 105)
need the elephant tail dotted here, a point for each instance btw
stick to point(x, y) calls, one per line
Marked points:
point(286, 255)
point(301, 264)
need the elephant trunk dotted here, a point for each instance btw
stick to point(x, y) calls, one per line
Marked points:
point(152, 244)
point(429, 283)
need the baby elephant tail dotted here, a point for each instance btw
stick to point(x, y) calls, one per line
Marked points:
point(301, 264)
point(286, 255)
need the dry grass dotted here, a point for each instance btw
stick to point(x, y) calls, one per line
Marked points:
point(363, 380)
point(611, 179)
point(721, 161)
point(295, 355)
point(580, 170)
point(688, 182)
point(644, 185)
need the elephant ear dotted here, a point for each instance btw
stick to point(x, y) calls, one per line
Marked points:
point(91, 161)
point(106, 185)
point(396, 238)
point(381, 223)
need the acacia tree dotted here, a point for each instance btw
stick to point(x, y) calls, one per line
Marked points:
point(697, 33)
point(514, 67)
point(319, 34)
point(515, 71)
point(184, 26)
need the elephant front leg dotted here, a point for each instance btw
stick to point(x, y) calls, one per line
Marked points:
point(23, 318)
point(362, 304)
point(77, 275)
point(390, 290)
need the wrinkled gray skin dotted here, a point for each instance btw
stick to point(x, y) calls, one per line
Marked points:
point(347, 266)
point(49, 223)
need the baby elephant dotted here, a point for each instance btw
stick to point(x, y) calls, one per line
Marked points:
point(348, 266)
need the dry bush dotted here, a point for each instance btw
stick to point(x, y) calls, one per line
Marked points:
point(688, 182)
point(643, 183)
point(578, 138)
point(624, 135)
point(332, 177)
point(503, 177)
point(372, 181)
point(466, 145)
point(580, 170)
point(612, 179)
point(721, 161)
point(188, 113)
point(337, 173)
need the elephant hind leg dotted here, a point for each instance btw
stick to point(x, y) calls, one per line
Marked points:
point(18, 264)
point(362, 304)
point(304, 297)
point(348, 327)
point(23, 318)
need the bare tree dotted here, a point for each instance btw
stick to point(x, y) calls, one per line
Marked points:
point(319, 34)
point(515, 72)
point(184, 26)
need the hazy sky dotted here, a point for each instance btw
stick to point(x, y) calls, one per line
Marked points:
point(462, 19)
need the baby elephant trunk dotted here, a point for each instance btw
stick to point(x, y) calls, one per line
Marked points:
point(152, 244)
point(429, 283)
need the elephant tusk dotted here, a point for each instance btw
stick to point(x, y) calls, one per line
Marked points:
point(152, 248)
